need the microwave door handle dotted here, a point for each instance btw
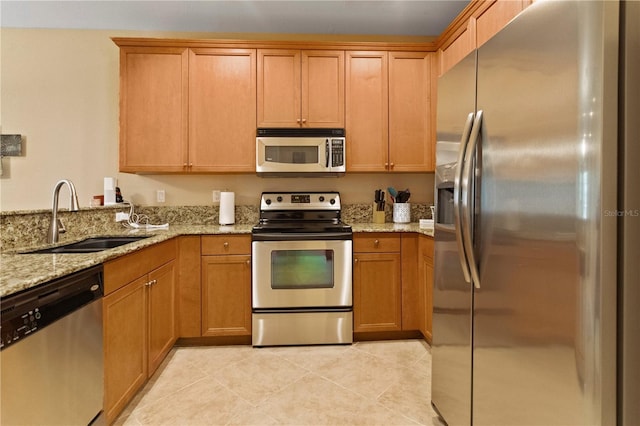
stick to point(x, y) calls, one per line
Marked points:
point(326, 152)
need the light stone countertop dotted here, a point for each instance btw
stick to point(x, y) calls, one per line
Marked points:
point(23, 271)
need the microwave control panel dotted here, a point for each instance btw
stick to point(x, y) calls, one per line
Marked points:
point(337, 152)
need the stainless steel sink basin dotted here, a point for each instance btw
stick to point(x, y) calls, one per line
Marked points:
point(90, 245)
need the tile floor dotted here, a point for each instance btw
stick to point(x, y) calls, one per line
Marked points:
point(367, 383)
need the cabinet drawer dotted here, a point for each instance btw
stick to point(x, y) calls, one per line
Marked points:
point(226, 244)
point(376, 242)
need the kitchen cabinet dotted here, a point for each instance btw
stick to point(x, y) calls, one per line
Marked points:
point(226, 285)
point(411, 138)
point(425, 282)
point(187, 110)
point(189, 288)
point(139, 320)
point(300, 88)
point(377, 291)
point(367, 111)
point(153, 109)
point(222, 110)
point(389, 111)
point(484, 20)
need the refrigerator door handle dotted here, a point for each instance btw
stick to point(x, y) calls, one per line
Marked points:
point(457, 214)
point(467, 181)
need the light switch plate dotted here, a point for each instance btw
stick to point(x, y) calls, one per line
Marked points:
point(160, 195)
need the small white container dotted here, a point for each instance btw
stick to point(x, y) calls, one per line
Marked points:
point(426, 223)
point(401, 212)
point(109, 191)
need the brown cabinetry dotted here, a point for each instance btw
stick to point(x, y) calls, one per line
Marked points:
point(226, 285)
point(474, 26)
point(153, 109)
point(222, 110)
point(377, 290)
point(300, 88)
point(139, 320)
point(388, 111)
point(187, 110)
point(425, 284)
point(411, 141)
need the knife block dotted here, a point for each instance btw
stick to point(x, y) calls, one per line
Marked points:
point(378, 216)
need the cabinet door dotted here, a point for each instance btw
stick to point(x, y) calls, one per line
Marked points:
point(153, 109)
point(162, 313)
point(222, 110)
point(367, 111)
point(494, 18)
point(410, 141)
point(279, 88)
point(125, 345)
point(226, 295)
point(377, 298)
point(322, 88)
point(460, 47)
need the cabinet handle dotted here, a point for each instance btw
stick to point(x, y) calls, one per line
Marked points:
point(150, 283)
point(355, 260)
point(298, 121)
point(226, 244)
point(376, 243)
point(391, 165)
point(184, 165)
point(304, 120)
point(249, 262)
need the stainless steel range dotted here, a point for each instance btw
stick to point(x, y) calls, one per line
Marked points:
point(302, 271)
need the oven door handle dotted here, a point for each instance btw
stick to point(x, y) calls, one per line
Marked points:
point(302, 236)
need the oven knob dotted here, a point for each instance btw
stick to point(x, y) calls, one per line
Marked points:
point(279, 199)
point(321, 198)
point(332, 201)
point(267, 201)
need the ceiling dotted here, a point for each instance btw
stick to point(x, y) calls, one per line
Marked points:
point(382, 17)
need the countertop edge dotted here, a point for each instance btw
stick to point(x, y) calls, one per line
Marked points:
point(17, 270)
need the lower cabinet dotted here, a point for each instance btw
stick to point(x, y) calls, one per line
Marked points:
point(226, 285)
point(139, 321)
point(377, 289)
point(425, 285)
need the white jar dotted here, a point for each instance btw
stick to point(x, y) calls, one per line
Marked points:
point(401, 212)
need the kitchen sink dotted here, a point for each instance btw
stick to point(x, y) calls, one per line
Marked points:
point(90, 245)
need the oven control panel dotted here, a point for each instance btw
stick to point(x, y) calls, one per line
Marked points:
point(300, 201)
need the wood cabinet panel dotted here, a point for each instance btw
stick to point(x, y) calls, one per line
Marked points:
point(425, 281)
point(125, 342)
point(458, 49)
point(153, 108)
point(300, 88)
point(226, 295)
point(162, 314)
point(226, 244)
point(410, 135)
point(323, 88)
point(411, 309)
point(494, 18)
point(376, 243)
point(189, 294)
point(367, 111)
point(222, 110)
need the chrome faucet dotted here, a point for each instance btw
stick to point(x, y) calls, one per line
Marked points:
point(56, 226)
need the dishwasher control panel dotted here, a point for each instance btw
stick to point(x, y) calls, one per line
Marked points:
point(27, 312)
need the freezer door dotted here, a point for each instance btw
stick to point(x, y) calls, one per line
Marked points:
point(452, 292)
point(542, 325)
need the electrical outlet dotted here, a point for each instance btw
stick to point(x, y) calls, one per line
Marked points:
point(122, 217)
point(216, 196)
point(160, 195)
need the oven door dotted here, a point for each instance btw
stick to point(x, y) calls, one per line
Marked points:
point(301, 274)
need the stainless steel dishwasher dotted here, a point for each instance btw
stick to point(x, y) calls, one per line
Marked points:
point(51, 352)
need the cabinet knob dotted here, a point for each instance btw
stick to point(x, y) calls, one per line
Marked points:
point(376, 243)
point(355, 260)
point(226, 244)
point(391, 165)
point(304, 120)
point(298, 121)
point(248, 261)
point(184, 165)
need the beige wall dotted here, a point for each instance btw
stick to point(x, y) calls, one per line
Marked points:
point(60, 91)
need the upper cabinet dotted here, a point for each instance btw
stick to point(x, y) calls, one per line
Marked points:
point(389, 111)
point(480, 21)
point(153, 109)
point(222, 110)
point(300, 88)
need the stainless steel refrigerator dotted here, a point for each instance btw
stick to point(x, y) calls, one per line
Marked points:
point(537, 236)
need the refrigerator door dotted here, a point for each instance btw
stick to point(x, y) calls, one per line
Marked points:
point(542, 314)
point(452, 296)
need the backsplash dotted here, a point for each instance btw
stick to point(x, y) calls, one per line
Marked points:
point(24, 229)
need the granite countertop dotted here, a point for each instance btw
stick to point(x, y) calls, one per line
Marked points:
point(22, 271)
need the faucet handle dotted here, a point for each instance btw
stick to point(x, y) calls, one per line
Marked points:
point(61, 228)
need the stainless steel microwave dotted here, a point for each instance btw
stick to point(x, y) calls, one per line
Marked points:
point(300, 152)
